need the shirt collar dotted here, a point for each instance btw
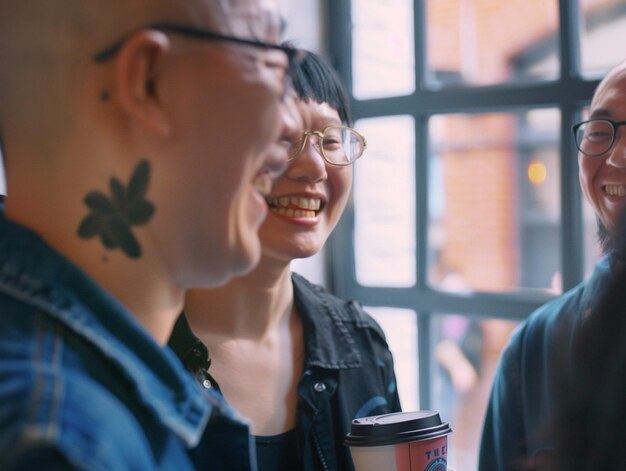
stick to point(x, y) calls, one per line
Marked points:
point(328, 342)
point(593, 288)
point(34, 273)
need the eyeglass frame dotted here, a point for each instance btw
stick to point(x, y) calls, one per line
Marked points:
point(294, 55)
point(614, 126)
point(320, 135)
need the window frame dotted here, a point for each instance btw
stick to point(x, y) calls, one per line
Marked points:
point(568, 93)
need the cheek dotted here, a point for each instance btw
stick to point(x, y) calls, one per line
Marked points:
point(341, 185)
point(217, 198)
point(588, 170)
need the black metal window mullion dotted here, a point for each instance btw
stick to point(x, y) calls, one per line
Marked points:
point(424, 358)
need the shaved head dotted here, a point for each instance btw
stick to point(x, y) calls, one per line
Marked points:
point(612, 76)
point(46, 49)
point(194, 119)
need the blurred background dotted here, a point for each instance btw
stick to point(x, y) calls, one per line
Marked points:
point(467, 213)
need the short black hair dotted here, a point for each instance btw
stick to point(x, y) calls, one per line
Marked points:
point(315, 79)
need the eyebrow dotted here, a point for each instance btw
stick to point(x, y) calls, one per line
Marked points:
point(600, 112)
point(331, 121)
point(326, 120)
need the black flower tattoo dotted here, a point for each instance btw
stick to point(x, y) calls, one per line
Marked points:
point(112, 218)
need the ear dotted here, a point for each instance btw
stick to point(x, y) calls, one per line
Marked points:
point(137, 76)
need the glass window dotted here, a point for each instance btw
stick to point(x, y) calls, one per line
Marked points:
point(400, 327)
point(486, 42)
point(469, 192)
point(466, 351)
point(383, 61)
point(593, 250)
point(603, 26)
point(384, 186)
point(494, 220)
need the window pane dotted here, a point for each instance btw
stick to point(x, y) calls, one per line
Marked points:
point(384, 195)
point(593, 251)
point(603, 26)
point(400, 327)
point(382, 48)
point(494, 209)
point(466, 352)
point(484, 42)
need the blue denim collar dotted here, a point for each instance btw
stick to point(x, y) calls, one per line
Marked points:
point(34, 273)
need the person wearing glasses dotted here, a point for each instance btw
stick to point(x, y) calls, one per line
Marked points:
point(140, 141)
point(299, 362)
point(517, 431)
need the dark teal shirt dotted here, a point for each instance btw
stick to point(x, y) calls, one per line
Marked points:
point(525, 395)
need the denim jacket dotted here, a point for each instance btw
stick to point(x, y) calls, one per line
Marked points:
point(348, 373)
point(82, 384)
point(524, 394)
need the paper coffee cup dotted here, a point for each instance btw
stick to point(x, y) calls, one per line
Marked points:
point(403, 441)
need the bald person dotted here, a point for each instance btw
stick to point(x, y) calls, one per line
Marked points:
point(525, 398)
point(139, 139)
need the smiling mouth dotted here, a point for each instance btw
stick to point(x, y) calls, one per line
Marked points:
point(615, 190)
point(294, 206)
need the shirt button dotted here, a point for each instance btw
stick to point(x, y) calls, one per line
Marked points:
point(206, 383)
point(319, 387)
point(196, 351)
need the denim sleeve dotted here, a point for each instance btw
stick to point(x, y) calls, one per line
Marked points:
point(503, 443)
point(63, 420)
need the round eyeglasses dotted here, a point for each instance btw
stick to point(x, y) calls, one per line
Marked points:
point(338, 145)
point(596, 136)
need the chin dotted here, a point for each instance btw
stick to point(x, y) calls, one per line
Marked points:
point(285, 253)
point(305, 252)
point(247, 258)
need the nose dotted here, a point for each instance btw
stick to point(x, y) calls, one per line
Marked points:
point(617, 153)
point(309, 166)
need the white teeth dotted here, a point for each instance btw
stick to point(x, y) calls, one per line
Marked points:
point(263, 184)
point(296, 213)
point(615, 190)
point(300, 203)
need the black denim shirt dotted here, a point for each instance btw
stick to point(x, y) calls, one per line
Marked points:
point(348, 373)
